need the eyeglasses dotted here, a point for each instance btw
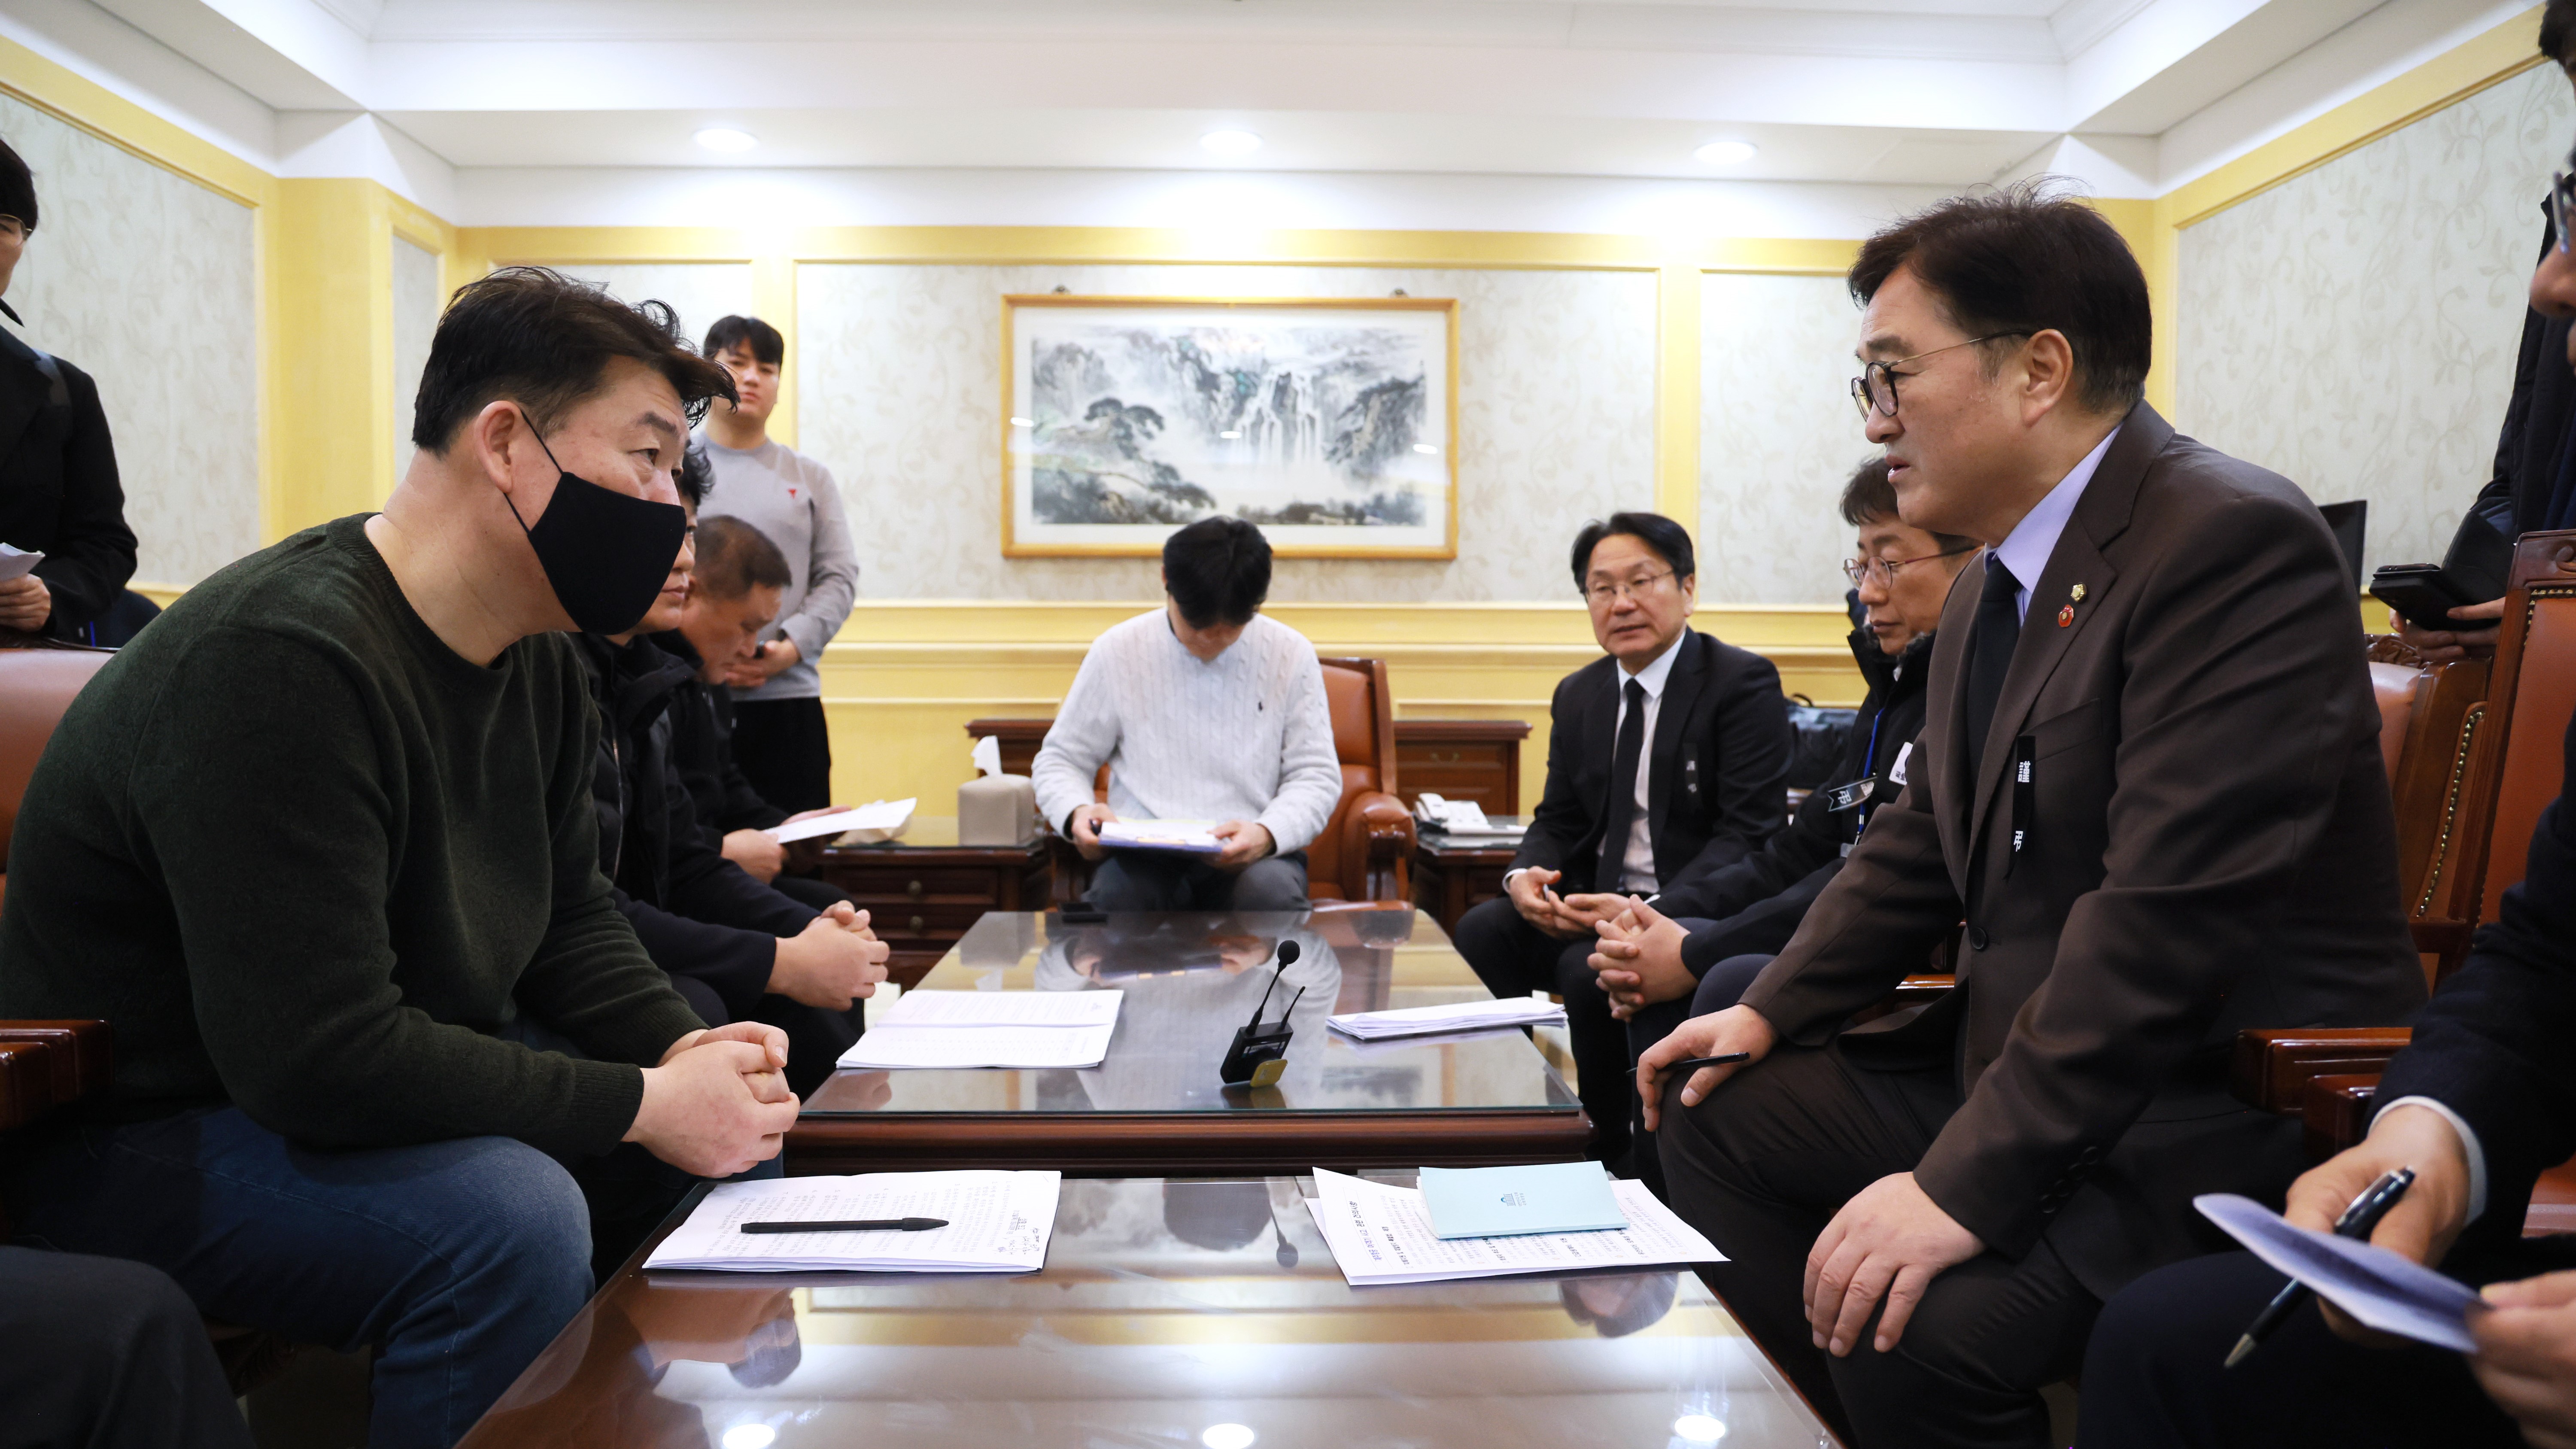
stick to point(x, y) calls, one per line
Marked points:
point(2562, 200)
point(12, 228)
point(1885, 570)
point(1601, 593)
point(1876, 385)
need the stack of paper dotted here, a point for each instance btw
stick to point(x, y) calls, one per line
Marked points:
point(1462, 1016)
point(1382, 1234)
point(1027, 1029)
point(15, 564)
point(1189, 837)
point(880, 821)
point(998, 1222)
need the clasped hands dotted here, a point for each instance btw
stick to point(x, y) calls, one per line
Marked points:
point(1889, 1242)
point(2526, 1338)
point(25, 603)
point(717, 1104)
point(833, 962)
point(1246, 841)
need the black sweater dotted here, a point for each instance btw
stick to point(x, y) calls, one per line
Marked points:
point(1755, 904)
point(305, 858)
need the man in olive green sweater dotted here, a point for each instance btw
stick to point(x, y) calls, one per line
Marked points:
point(321, 847)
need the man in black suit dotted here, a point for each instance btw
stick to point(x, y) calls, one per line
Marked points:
point(2479, 1105)
point(2533, 484)
point(2150, 784)
point(59, 494)
point(1666, 759)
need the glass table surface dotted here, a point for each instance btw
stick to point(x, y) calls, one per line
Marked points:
point(1172, 1313)
point(1190, 981)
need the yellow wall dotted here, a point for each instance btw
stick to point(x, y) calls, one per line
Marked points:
point(904, 676)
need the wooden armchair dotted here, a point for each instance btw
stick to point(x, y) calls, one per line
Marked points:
point(1366, 850)
point(2474, 776)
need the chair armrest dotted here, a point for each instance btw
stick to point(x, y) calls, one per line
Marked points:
point(2336, 1112)
point(80, 1054)
point(26, 1083)
point(1377, 831)
point(2446, 941)
point(2273, 1067)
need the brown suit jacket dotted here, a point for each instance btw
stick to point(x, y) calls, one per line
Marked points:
point(2207, 844)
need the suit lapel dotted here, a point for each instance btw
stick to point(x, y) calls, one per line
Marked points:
point(2057, 618)
point(1672, 712)
point(23, 389)
point(1600, 740)
point(1945, 721)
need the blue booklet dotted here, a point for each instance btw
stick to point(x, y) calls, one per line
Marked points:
point(1504, 1202)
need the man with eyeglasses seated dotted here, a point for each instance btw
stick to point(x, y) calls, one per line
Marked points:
point(1694, 949)
point(2149, 782)
point(1666, 759)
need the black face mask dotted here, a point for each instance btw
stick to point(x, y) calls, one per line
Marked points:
point(605, 553)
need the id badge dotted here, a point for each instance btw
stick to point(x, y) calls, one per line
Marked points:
point(1851, 796)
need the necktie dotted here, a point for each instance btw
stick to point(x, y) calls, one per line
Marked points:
point(1990, 652)
point(1620, 810)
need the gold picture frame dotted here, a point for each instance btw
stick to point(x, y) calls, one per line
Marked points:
point(1331, 422)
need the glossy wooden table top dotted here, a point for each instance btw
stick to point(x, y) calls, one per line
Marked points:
point(1155, 1105)
point(1173, 1314)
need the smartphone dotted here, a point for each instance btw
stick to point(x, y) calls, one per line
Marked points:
point(2424, 594)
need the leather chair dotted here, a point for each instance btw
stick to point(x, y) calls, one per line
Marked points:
point(2498, 761)
point(37, 682)
point(1365, 852)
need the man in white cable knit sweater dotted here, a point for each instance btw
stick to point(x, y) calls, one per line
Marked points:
point(1203, 710)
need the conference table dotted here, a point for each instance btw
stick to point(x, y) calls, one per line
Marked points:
point(1188, 1314)
point(1155, 1105)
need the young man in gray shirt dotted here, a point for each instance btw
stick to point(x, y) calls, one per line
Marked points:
point(779, 735)
point(1202, 710)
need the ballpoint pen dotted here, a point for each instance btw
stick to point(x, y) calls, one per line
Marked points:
point(852, 1225)
point(2358, 1220)
point(1695, 1063)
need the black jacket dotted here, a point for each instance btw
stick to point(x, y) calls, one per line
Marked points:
point(2492, 1043)
point(1721, 757)
point(701, 718)
point(1755, 904)
point(2516, 499)
point(59, 492)
point(702, 919)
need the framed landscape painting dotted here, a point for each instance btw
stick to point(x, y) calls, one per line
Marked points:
point(1331, 424)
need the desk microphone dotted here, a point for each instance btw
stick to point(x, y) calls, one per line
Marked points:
point(1259, 1056)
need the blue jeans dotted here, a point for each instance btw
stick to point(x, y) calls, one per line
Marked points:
point(459, 1260)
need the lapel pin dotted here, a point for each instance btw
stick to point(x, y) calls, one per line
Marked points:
point(2066, 616)
point(2076, 593)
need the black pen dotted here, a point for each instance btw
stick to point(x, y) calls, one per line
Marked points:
point(855, 1225)
point(1695, 1063)
point(2358, 1221)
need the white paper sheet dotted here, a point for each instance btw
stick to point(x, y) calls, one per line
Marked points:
point(887, 816)
point(1457, 1016)
point(1003, 1008)
point(1190, 837)
point(15, 564)
point(2390, 1293)
point(998, 1222)
point(953, 1047)
point(1382, 1234)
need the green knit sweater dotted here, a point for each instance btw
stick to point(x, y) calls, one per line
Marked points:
point(305, 858)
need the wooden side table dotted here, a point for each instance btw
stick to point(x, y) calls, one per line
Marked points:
point(1461, 759)
point(1448, 879)
point(923, 891)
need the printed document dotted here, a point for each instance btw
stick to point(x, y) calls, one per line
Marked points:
point(1382, 1234)
point(1002, 1008)
point(15, 564)
point(2389, 1292)
point(1028, 1047)
point(884, 819)
point(1189, 837)
point(998, 1222)
point(1459, 1016)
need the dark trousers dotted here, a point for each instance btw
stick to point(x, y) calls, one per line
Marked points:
point(785, 750)
point(2153, 1376)
point(1162, 880)
point(1514, 958)
point(106, 1353)
point(1765, 1161)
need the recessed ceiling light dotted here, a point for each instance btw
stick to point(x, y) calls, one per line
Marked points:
point(1229, 143)
point(1725, 153)
point(726, 138)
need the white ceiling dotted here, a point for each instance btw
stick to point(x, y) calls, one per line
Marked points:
point(1929, 92)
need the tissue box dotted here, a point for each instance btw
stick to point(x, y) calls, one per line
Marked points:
point(997, 810)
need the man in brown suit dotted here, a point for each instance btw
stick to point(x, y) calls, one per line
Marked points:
point(2148, 782)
